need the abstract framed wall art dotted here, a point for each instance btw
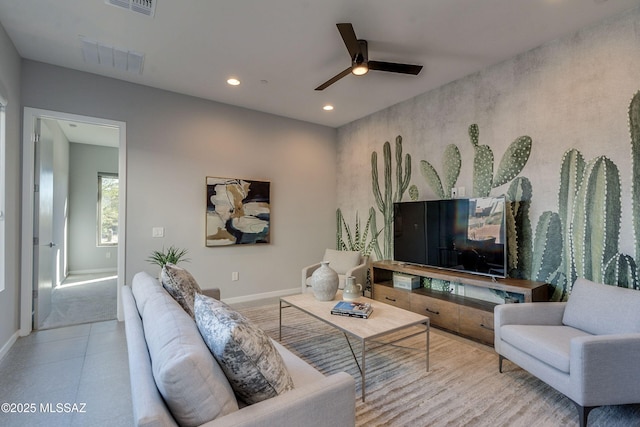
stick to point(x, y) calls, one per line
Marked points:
point(238, 211)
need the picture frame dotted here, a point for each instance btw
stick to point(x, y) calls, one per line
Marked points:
point(238, 212)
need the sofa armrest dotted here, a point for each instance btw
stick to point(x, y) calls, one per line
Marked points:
point(329, 402)
point(603, 369)
point(306, 273)
point(213, 293)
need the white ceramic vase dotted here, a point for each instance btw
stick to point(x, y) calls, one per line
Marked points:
point(324, 282)
point(351, 291)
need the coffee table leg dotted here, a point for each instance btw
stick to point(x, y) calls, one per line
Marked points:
point(280, 324)
point(428, 326)
point(364, 370)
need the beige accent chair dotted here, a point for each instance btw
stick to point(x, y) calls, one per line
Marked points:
point(345, 263)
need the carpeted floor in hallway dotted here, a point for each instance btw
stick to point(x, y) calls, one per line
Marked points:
point(83, 298)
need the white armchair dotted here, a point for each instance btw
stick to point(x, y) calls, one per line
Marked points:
point(345, 263)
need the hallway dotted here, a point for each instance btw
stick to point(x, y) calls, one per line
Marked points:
point(83, 298)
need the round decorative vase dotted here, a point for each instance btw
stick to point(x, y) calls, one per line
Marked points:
point(324, 282)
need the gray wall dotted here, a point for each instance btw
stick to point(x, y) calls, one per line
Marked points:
point(571, 93)
point(85, 163)
point(10, 89)
point(174, 142)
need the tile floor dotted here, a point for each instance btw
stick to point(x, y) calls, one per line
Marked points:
point(85, 365)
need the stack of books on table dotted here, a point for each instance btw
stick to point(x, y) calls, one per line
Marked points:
point(352, 309)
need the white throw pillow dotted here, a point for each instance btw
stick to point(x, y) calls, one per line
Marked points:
point(245, 353)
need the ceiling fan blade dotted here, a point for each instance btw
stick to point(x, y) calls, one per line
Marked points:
point(394, 67)
point(334, 79)
point(349, 38)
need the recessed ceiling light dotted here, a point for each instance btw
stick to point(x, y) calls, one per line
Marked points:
point(233, 81)
point(328, 107)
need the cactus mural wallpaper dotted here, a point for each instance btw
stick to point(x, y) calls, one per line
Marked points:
point(452, 162)
point(358, 240)
point(385, 201)
point(556, 130)
point(589, 203)
point(581, 239)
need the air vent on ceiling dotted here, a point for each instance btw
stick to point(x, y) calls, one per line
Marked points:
point(95, 53)
point(145, 7)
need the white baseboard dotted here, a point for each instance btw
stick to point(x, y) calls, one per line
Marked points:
point(265, 295)
point(7, 346)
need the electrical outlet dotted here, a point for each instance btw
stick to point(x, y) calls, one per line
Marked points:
point(157, 232)
point(235, 276)
point(454, 193)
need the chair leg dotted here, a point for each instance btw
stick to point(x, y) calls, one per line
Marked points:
point(500, 359)
point(583, 413)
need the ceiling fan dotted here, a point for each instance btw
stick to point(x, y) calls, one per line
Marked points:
point(360, 63)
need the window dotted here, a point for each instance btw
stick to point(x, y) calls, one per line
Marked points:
point(107, 209)
point(3, 104)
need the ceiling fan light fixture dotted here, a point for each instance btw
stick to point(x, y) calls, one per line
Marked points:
point(360, 62)
point(360, 69)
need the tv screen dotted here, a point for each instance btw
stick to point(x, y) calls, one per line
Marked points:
point(459, 234)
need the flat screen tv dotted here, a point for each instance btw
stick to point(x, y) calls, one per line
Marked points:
point(467, 235)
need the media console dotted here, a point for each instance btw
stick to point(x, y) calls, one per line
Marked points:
point(466, 308)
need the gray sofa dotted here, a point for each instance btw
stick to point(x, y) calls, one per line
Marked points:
point(153, 320)
point(586, 348)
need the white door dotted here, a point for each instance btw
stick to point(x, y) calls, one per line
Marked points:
point(43, 226)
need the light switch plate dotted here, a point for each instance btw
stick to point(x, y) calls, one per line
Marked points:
point(157, 232)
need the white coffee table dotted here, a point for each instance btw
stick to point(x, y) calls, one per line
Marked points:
point(385, 319)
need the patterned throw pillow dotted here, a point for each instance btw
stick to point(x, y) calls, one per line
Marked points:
point(181, 286)
point(245, 353)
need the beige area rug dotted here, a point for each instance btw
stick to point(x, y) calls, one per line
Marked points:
point(462, 388)
point(82, 299)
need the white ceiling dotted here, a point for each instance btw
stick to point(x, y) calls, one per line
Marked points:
point(88, 133)
point(282, 49)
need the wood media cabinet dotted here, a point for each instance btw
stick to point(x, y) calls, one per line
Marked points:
point(464, 312)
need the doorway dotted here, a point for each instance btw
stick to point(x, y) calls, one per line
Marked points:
point(108, 275)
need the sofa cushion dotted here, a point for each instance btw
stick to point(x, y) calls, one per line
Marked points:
point(145, 287)
point(602, 309)
point(342, 261)
point(181, 285)
point(246, 354)
point(549, 344)
point(187, 376)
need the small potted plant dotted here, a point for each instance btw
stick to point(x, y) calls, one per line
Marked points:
point(172, 255)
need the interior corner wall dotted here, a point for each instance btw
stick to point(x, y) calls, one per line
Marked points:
point(173, 143)
point(85, 162)
point(573, 92)
point(10, 89)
